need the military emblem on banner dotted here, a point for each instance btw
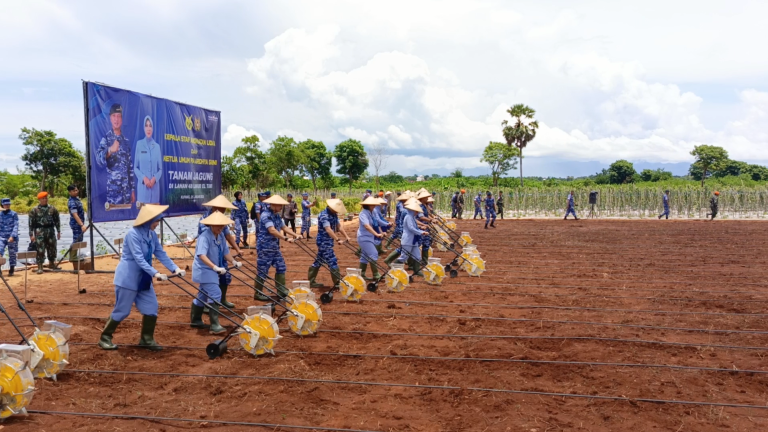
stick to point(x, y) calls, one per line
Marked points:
point(197, 124)
point(188, 122)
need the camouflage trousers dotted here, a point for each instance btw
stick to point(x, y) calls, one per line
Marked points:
point(45, 240)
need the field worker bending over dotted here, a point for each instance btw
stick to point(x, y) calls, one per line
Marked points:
point(9, 233)
point(271, 231)
point(665, 202)
point(220, 204)
point(328, 230)
point(411, 237)
point(133, 278)
point(490, 210)
point(240, 216)
point(571, 208)
point(713, 205)
point(367, 235)
point(211, 252)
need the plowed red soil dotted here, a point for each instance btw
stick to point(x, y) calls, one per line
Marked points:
point(646, 294)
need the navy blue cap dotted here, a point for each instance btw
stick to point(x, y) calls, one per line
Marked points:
point(304, 194)
point(368, 190)
point(333, 194)
point(289, 195)
point(5, 201)
point(267, 193)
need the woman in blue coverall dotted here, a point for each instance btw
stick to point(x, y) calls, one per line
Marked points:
point(133, 278)
point(368, 237)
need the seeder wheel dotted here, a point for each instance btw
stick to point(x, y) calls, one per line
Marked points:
point(397, 279)
point(474, 266)
point(55, 349)
point(308, 319)
point(444, 240)
point(17, 386)
point(352, 285)
point(435, 273)
point(451, 225)
point(261, 335)
point(465, 239)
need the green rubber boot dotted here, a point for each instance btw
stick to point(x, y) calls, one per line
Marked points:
point(378, 249)
point(335, 276)
point(148, 323)
point(393, 256)
point(282, 290)
point(375, 271)
point(259, 294)
point(40, 269)
point(416, 266)
point(105, 341)
point(312, 276)
point(196, 317)
point(213, 315)
point(224, 301)
point(363, 267)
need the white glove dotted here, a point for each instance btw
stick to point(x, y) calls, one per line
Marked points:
point(219, 270)
point(161, 277)
point(180, 272)
point(237, 264)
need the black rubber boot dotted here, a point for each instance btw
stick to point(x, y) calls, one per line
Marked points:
point(105, 341)
point(312, 276)
point(147, 340)
point(223, 288)
point(259, 294)
point(282, 290)
point(213, 315)
point(196, 317)
point(10, 271)
point(486, 225)
point(424, 257)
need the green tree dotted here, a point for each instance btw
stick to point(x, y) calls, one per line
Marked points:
point(756, 172)
point(50, 158)
point(392, 178)
point(457, 173)
point(250, 155)
point(660, 174)
point(317, 160)
point(234, 173)
point(501, 158)
point(621, 171)
point(730, 168)
point(351, 160)
point(285, 158)
point(522, 131)
point(17, 185)
point(709, 158)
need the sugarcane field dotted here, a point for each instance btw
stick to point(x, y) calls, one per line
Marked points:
point(401, 216)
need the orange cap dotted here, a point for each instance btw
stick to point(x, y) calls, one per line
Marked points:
point(42, 195)
point(463, 191)
point(717, 193)
point(381, 194)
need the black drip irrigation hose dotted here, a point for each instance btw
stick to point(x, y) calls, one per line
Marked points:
point(617, 288)
point(273, 426)
point(469, 317)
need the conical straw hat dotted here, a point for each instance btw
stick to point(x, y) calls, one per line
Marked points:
point(336, 205)
point(413, 206)
point(371, 201)
point(276, 199)
point(430, 199)
point(405, 196)
point(149, 212)
point(423, 194)
point(221, 202)
point(413, 201)
point(216, 218)
point(382, 201)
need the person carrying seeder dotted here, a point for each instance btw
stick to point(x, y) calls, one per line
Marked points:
point(383, 224)
point(571, 207)
point(665, 202)
point(133, 278)
point(306, 214)
point(240, 216)
point(211, 252)
point(367, 237)
point(271, 231)
point(490, 210)
point(425, 218)
point(221, 204)
point(411, 238)
point(399, 213)
point(328, 230)
point(9, 233)
point(713, 204)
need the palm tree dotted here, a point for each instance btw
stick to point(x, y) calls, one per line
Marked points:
point(522, 132)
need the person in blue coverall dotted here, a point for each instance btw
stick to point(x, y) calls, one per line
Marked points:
point(271, 231)
point(328, 232)
point(411, 234)
point(240, 216)
point(9, 233)
point(133, 278)
point(665, 202)
point(367, 237)
point(76, 218)
point(209, 266)
point(571, 207)
point(148, 166)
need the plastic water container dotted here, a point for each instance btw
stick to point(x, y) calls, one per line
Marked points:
point(259, 310)
point(64, 329)
point(433, 261)
point(299, 284)
point(401, 266)
point(353, 272)
point(21, 352)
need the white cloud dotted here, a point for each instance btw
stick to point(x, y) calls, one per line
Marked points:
point(359, 135)
point(233, 137)
point(297, 136)
point(399, 135)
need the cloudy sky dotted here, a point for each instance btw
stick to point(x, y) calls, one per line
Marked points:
point(431, 80)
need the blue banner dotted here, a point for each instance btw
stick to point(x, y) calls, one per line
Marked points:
point(147, 150)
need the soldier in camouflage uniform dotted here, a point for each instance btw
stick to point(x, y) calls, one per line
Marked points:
point(271, 231)
point(500, 204)
point(76, 218)
point(240, 216)
point(114, 153)
point(328, 229)
point(43, 220)
point(713, 205)
point(9, 233)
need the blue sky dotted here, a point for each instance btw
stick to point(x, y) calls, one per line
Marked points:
point(430, 81)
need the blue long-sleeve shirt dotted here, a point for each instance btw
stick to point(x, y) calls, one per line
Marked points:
point(383, 224)
point(411, 231)
point(213, 247)
point(139, 245)
point(9, 224)
point(366, 218)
